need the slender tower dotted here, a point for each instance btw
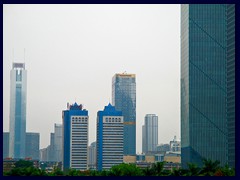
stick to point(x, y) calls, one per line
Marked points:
point(18, 92)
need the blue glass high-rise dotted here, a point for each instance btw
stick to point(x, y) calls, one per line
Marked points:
point(17, 128)
point(124, 99)
point(208, 83)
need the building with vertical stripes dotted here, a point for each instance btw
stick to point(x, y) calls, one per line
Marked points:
point(18, 102)
point(208, 83)
point(150, 133)
point(75, 137)
point(110, 134)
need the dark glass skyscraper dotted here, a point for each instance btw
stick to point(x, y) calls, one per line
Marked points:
point(208, 83)
point(124, 99)
point(5, 144)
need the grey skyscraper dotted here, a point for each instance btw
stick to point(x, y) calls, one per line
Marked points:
point(92, 156)
point(58, 142)
point(124, 99)
point(5, 144)
point(32, 145)
point(150, 133)
point(208, 83)
point(18, 91)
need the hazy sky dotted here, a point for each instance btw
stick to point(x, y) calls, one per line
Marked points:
point(73, 51)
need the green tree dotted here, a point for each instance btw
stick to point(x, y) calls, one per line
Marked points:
point(158, 168)
point(23, 164)
point(148, 171)
point(225, 171)
point(125, 170)
point(193, 170)
point(209, 167)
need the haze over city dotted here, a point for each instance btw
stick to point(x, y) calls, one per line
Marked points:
point(73, 51)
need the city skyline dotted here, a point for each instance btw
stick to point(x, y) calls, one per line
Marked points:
point(58, 74)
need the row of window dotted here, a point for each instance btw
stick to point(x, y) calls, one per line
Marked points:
point(80, 120)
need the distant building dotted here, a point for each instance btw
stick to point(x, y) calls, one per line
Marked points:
point(75, 137)
point(9, 163)
point(142, 160)
point(109, 137)
point(150, 133)
point(92, 162)
point(173, 157)
point(5, 144)
point(58, 138)
point(51, 149)
point(175, 145)
point(124, 99)
point(163, 147)
point(43, 155)
point(208, 83)
point(32, 145)
point(18, 100)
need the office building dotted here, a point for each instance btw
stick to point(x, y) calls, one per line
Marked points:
point(150, 133)
point(92, 154)
point(163, 147)
point(32, 145)
point(208, 83)
point(58, 142)
point(124, 99)
point(17, 128)
point(109, 138)
point(75, 137)
point(5, 144)
point(175, 145)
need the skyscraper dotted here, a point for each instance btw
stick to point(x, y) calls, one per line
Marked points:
point(150, 133)
point(5, 144)
point(32, 145)
point(109, 138)
point(124, 99)
point(75, 137)
point(92, 154)
point(17, 128)
point(58, 142)
point(208, 83)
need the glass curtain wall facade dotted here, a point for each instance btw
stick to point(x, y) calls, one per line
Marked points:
point(5, 144)
point(32, 145)
point(58, 142)
point(109, 138)
point(208, 83)
point(124, 99)
point(150, 133)
point(17, 127)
